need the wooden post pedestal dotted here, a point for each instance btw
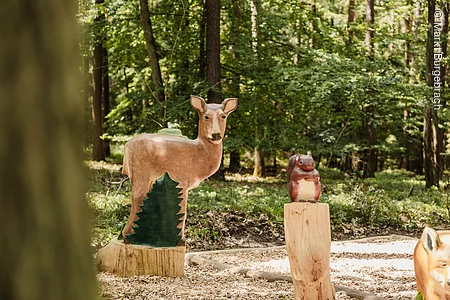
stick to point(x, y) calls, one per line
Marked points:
point(308, 242)
point(130, 260)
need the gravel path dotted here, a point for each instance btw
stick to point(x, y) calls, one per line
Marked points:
point(381, 266)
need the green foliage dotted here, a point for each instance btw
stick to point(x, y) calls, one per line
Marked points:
point(395, 200)
point(303, 82)
point(419, 297)
point(157, 222)
point(253, 198)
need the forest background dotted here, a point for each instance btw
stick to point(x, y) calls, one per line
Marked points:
point(354, 82)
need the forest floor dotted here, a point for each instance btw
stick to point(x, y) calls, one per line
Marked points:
point(382, 266)
point(245, 212)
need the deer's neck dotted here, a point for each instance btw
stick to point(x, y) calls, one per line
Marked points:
point(210, 154)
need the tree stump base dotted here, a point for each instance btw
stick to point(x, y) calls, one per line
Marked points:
point(308, 243)
point(128, 260)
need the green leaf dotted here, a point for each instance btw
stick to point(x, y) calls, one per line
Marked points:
point(419, 296)
point(171, 131)
point(159, 217)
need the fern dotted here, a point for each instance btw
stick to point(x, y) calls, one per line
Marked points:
point(159, 217)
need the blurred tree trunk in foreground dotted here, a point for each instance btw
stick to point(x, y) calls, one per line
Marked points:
point(45, 234)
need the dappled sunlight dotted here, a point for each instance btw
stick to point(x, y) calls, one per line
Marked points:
point(102, 165)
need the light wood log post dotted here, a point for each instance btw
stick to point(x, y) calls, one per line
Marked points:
point(128, 260)
point(308, 242)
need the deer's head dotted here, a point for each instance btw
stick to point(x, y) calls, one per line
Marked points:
point(213, 117)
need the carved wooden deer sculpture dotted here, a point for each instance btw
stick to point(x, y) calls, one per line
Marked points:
point(148, 156)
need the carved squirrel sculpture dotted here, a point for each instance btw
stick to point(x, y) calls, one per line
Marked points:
point(303, 179)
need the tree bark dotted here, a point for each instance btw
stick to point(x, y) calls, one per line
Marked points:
point(87, 92)
point(212, 10)
point(369, 157)
point(351, 19)
point(259, 169)
point(235, 162)
point(430, 115)
point(370, 154)
point(202, 50)
point(441, 141)
point(258, 157)
point(213, 50)
point(97, 118)
point(157, 80)
point(370, 23)
point(45, 248)
point(106, 100)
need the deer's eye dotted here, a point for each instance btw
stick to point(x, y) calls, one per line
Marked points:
point(301, 162)
point(442, 264)
point(206, 117)
point(224, 117)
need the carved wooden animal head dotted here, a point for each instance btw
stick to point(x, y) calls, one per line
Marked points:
point(305, 162)
point(213, 117)
point(438, 257)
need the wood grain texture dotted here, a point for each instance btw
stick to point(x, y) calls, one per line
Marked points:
point(308, 242)
point(128, 260)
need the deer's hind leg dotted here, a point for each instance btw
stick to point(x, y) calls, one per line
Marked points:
point(140, 186)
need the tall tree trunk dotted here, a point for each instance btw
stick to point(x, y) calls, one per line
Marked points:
point(97, 118)
point(430, 116)
point(202, 49)
point(106, 100)
point(154, 61)
point(429, 136)
point(213, 50)
point(298, 30)
point(258, 156)
point(87, 92)
point(45, 230)
point(441, 141)
point(212, 8)
point(370, 156)
point(259, 170)
point(406, 113)
point(414, 148)
point(408, 31)
point(235, 160)
point(351, 19)
point(370, 23)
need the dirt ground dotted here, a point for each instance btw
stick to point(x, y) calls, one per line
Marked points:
point(381, 266)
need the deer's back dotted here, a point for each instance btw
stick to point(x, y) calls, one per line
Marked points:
point(148, 156)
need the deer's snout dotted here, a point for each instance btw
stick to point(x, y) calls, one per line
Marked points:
point(216, 136)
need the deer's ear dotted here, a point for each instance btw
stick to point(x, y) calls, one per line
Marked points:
point(430, 239)
point(198, 103)
point(229, 105)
